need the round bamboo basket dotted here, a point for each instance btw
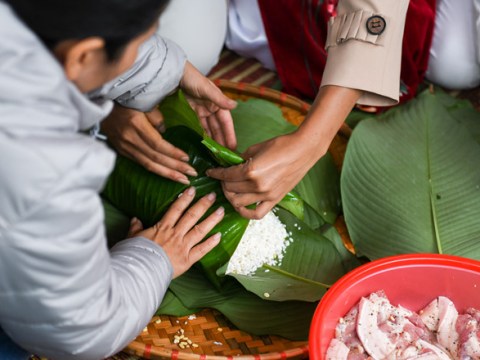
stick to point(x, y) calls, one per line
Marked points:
point(211, 335)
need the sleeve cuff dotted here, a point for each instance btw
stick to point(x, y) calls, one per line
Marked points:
point(156, 73)
point(358, 58)
point(147, 252)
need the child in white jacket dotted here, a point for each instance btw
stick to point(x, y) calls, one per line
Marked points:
point(63, 294)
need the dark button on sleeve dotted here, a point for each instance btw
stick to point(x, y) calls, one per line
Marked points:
point(376, 25)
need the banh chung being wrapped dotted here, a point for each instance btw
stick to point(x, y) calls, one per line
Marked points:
point(375, 329)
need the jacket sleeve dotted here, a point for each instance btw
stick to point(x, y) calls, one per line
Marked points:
point(157, 71)
point(361, 59)
point(63, 295)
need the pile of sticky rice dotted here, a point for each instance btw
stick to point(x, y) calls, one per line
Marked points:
point(263, 243)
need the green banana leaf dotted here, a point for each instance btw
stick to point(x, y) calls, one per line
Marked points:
point(356, 116)
point(311, 264)
point(138, 192)
point(349, 261)
point(290, 319)
point(463, 112)
point(411, 180)
point(258, 120)
point(116, 222)
point(320, 189)
point(171, 305)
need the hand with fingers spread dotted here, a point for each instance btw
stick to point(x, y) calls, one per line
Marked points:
point(179, 232)
point(211, 105)
point(136, 135)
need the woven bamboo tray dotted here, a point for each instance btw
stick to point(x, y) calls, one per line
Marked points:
point(212, 336)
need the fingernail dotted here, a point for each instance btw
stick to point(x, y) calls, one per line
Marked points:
point(217, 237)
point(183, 180)
point(208, 172)
point(220, 211)
point(192, 172)
point(211, 196)
point(185, 158)
point(133, 221)
point(190, 191)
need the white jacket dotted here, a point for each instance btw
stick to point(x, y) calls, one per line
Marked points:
point(63, 294)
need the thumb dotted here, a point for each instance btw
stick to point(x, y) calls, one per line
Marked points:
point(135, 227)
point(223, 101)
point(155, 117)
point(250, 152)
point(214, 94)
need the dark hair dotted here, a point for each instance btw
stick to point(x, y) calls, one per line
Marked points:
point(116, 21)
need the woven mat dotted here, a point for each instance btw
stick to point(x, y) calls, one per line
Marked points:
point(235, 68)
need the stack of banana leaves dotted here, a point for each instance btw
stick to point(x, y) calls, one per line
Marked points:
point(312, 262)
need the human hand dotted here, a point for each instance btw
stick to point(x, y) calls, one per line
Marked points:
point(272, 169)
point(136, 135)
point(211, 105)
point(178, 232)
point(276, 166)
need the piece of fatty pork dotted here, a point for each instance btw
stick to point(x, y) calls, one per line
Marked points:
point(375, 329)
point(458, 334)
point(468, 329)
point(446, 317)
point(347, 345)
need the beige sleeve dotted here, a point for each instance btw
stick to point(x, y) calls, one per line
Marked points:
point(360, 60)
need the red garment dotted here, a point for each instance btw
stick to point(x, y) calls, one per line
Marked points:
point(297, 30)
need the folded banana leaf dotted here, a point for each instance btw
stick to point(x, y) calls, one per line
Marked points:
point(177, 112)
point(172, 305)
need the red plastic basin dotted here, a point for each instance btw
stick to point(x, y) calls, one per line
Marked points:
point(408, 280)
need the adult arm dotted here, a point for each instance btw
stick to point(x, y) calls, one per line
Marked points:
point(63, 294)
point(361, 68)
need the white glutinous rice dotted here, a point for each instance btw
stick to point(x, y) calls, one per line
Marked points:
point(263, 242)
